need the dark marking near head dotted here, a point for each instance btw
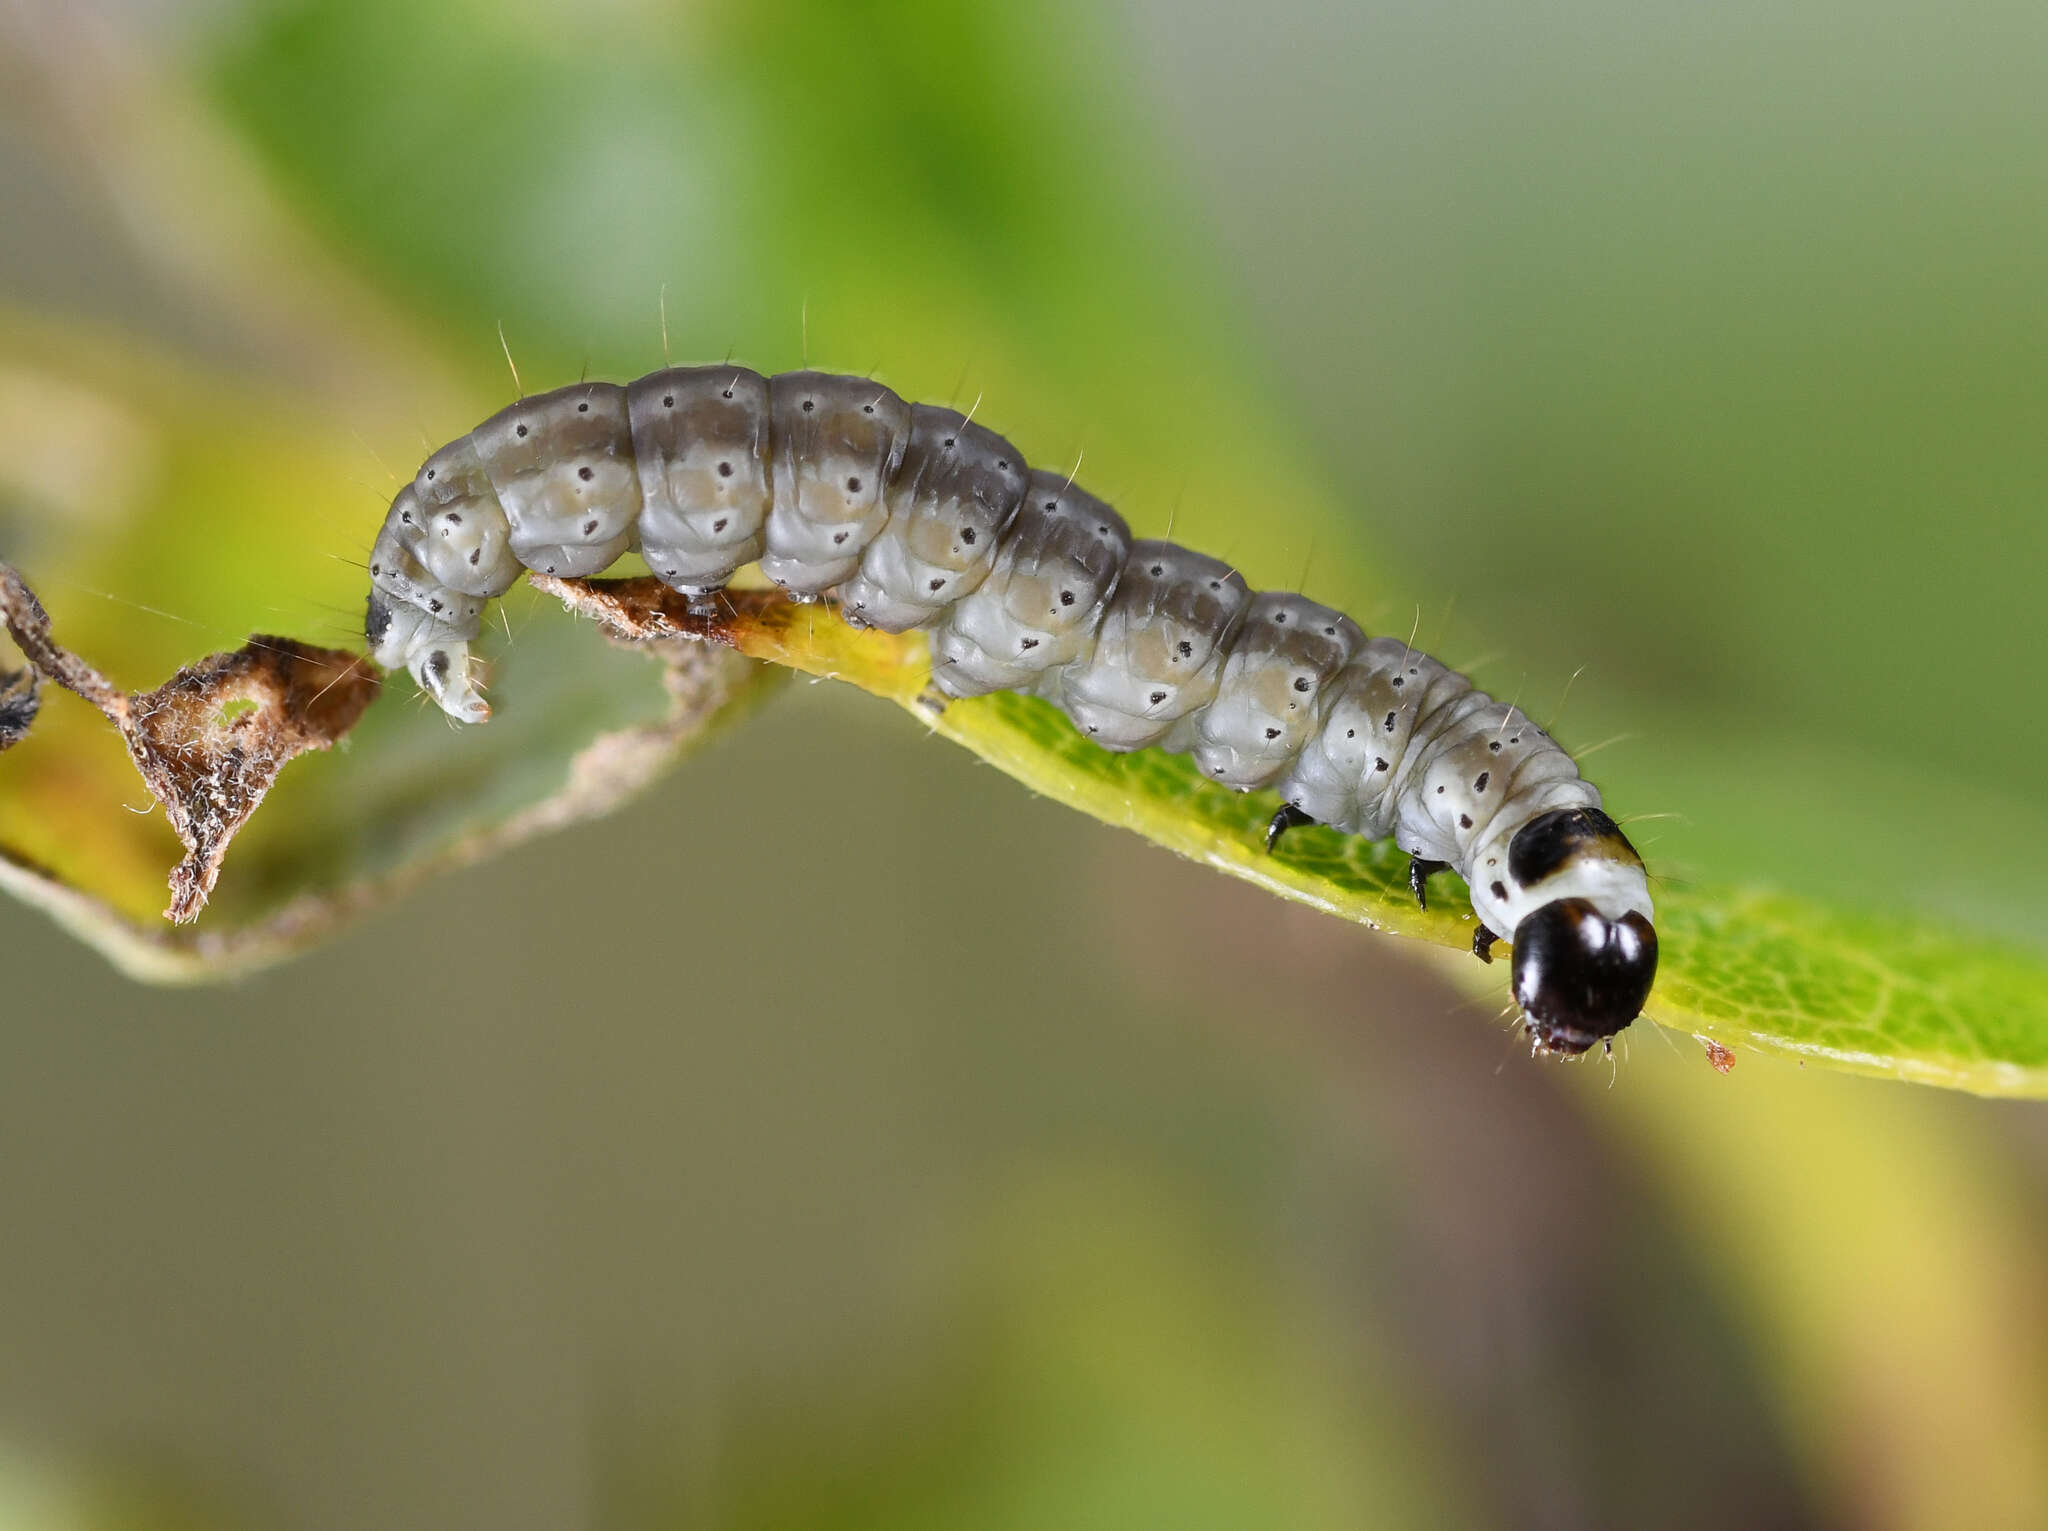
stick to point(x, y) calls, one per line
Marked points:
point(1500, 890)
point(1028, 643)
point(1390, 722)
point(937, 585)
point(837, 538)
point(725, 470)
point(1186, 649)
point(1066, 597)
point(967, 535)
point(1544, 844)
point(719, 525)
point(376, 618)
point(1272, 733)
point(853, 486)
point(1464, 819)
point(589, 528)
point(474, 555)
point(1378, 764)
point(1158, 697)
point(438, 663)
point(1480, 784)
point(586, 474)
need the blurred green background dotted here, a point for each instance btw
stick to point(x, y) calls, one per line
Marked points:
point(840, 1137)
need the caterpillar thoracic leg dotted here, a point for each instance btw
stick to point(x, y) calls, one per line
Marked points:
point(912, 516)
point(1289, 817)
point(1420, 870)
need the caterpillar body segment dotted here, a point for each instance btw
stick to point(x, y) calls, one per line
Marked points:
point(458, 526)
point(1159, 652)
point(1269, 697)
point(913, 516)
point(949, 504)
point(563, 467)
point(838, 443)
point(1041, 604)
point(700, 440)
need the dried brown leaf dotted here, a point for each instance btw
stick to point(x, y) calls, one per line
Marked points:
point(211, 740)
point(706, 686)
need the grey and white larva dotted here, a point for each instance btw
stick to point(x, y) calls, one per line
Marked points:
point(915, 517)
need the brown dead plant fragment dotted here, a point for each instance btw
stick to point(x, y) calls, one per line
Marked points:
point(20, 699)
point(211, 740)
point(761, 624)
point(1721, 1056)
point(645, 610)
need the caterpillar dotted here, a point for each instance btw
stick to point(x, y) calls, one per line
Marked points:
point(914, 516)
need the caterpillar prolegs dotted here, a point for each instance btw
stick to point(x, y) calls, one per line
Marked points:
point(913, 516)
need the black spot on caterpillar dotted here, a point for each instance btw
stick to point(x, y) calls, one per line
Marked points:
point(914, 516)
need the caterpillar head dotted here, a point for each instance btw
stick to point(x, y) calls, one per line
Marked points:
point(1579, 976)
point(1585, 951)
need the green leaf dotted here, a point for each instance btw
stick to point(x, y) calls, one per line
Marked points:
point(1740, 968)
point(1026, 241)
point(584, 725)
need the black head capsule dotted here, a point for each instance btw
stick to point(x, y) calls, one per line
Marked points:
point(1579, 976)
